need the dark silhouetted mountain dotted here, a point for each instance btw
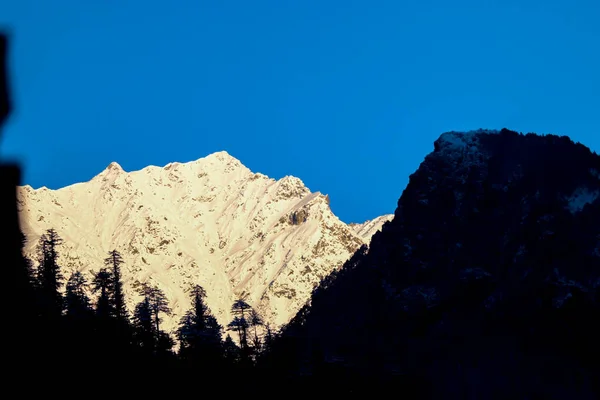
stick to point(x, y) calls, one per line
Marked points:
point(484, 285)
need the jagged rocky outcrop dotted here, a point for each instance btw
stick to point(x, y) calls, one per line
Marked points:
point(486, 283)
point(211, 222)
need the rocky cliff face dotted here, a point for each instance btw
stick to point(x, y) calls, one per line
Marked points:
point(486, 284)
point(211, 222)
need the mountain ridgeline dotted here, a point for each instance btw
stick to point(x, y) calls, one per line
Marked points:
point(211, 222)
point(485, 285)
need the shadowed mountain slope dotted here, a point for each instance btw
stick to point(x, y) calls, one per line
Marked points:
point(484, 285)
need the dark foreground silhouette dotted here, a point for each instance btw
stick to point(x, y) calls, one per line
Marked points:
point(484, 286)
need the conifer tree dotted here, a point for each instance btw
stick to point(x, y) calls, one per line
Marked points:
point(77, 302)
point(114, 262)
point(269, 338)
point(255, 320)
point(199, 332)
point(231, 352)
point(103, 282)
point(49, 276)
point(158, 304)
point(50, 301)
point(79, 340)
point(143, 325)
point(148, 312)
point(240, 310)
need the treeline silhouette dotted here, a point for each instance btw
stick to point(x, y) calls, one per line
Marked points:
point(485, 285)
point(72, 335)
point(77, 327)
point(80, 324)
point(489, 288)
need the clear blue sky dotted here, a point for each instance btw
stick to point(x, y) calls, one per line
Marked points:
point(347, 95)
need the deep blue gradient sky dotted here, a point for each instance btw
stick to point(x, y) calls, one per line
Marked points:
point(347, 95)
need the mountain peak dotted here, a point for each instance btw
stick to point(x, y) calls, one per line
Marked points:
point(292, 180)
point(112, 170)
point(219, 161)
point(291, 186)
point(114, 166)
point(222, 156)
point(454, 141)
point(462, 150)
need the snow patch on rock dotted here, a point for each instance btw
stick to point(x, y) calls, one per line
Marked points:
point(367, 229)
point(580, 197)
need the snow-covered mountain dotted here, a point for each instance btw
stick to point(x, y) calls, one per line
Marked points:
point(211, 221)
point(367, 229)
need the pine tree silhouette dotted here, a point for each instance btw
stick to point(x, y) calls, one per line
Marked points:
point(49, 275)
point(199, 335)
point(77, 303)
point(147, 321)
point(103, 283)
point(114, 261)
